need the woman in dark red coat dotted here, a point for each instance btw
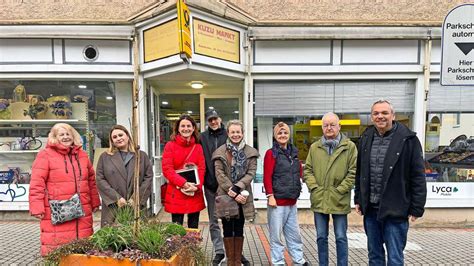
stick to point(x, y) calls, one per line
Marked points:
point(59, 171)
point(183, 197)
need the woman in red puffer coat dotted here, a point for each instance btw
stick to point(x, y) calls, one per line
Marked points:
point(59, 171)
point(183, 197)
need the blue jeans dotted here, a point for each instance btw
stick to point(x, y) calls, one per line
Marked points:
point(321, 221)
point(284, 218)
point(392, 233)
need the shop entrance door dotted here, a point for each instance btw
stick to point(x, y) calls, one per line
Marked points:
point(227, 106)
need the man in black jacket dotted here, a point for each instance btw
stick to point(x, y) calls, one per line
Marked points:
point(211, 139)
point(390, 186)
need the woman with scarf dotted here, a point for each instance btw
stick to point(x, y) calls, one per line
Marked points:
point(282, 181)
point(115, 172)
point(236, 165)
point(183, 197)
point(60, 171)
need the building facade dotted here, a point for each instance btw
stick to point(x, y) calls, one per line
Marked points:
point(258, 61)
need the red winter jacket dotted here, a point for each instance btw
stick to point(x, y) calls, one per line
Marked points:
point(55, 173)
point(173, 159)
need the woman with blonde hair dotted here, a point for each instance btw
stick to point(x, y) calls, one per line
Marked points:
point(236, 166)
point(115, 171)
point(60, 172)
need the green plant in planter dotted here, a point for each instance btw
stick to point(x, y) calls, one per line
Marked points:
point(124, 215)
point(174, 230)
point(153, 240)
point(150, 240)
point(115, 238)
point(34, 110)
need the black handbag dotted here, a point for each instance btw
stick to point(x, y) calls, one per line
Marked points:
point(66, 210)
point(226, 207)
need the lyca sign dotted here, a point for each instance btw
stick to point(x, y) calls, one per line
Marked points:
point(457, 62)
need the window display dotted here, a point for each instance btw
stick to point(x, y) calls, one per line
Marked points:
point(449, 147)
point(28, 110)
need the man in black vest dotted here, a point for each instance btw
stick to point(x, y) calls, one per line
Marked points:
point(211, 139)
point(390, 186)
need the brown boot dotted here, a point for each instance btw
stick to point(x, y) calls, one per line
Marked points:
point(229, 250)
point(238, 245)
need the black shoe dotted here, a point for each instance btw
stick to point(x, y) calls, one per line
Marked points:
point(244, 261)
point(218, 259)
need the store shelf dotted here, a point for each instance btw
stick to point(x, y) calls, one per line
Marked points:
point(453, 165)
point(19, 152)
point(42, 122)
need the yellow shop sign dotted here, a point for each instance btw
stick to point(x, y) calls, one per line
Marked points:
point(216, 41)
point(161, 41)
point(184, 23)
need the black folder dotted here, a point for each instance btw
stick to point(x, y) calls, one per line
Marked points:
point(190, 174)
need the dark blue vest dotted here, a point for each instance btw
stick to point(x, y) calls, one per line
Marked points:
point(286, 177)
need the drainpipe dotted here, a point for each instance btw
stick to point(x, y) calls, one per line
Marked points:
point(248, 91)
point(426, 84)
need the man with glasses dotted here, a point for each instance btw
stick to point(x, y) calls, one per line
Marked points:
point(211, 139)
point(390, 186)
point(329, 174)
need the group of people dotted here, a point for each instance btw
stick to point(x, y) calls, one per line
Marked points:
point(386, 168)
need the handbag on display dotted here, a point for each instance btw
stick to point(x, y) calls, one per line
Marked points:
point(226, 207)
point(66, 210)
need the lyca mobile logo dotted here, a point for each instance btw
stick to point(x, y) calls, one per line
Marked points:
point(444, 190)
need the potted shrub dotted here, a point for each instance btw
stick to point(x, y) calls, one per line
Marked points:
point(61, 109)
point(153, 244)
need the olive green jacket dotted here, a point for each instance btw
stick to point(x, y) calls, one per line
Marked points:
point(330, 178)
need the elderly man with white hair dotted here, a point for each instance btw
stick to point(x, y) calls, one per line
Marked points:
point(329, 174)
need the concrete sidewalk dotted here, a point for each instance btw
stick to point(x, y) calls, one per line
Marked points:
point(19, 245)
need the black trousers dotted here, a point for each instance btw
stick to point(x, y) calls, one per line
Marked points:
point(234, 227)
point(193, 219)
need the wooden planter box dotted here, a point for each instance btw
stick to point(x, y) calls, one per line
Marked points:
point(84, 260)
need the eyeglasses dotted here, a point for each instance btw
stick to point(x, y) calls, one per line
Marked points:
point(330, 125)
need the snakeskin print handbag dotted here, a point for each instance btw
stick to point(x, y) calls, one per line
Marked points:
point(66, 210)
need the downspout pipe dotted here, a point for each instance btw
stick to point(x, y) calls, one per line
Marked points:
point(426, 83)
point(248, 91)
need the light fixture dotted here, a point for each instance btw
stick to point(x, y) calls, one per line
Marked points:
point(211, 107)
point(109, 97)
point(190, 112)
point(164, 103)
point(236, 112)
point(197, 85)
point(82, 86)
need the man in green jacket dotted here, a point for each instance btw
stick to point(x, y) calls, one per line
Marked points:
point(329, 174)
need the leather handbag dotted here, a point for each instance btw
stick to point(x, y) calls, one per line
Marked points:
point(66, 210)
point(226, 207)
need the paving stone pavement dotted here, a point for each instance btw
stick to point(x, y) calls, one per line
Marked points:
point(19, 245)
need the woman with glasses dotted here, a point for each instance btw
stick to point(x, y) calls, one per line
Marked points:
point(115, 172)
point(184, 151)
